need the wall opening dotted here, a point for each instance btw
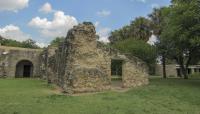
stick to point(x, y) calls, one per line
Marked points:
point(116, 68)
point(116, 73)
point(24, 69)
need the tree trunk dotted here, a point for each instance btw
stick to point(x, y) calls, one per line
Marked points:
point(184, 71)
point(186, 66)
point(183, 68)
point(164, 66)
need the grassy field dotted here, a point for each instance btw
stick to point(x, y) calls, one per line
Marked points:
point(171, 96)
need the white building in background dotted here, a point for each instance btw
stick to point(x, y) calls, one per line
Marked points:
point(171, 69)
point(174, 70)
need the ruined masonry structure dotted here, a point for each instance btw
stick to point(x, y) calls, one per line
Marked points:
point(79, 64)
point(13, 60)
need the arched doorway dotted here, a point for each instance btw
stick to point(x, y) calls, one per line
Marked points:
point(24, 69)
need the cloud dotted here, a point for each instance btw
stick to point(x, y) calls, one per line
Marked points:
point(42, 45)
point(104, 34)
point(143, 1)
point(96, 24)
point(46, 8)
point(103, 13)
point(59, 26)
point(13, 32)
point(13, 5)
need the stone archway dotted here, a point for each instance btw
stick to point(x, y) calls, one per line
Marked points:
point(24, 69)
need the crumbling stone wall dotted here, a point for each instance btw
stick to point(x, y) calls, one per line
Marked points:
point(81, 65)
point(53, 64)
point(3, 59)
point(87, 68)
point(134, 70)
point(48, 64)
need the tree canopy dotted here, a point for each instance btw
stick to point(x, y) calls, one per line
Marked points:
point(138, 29)
point(29, 43)
point(182, 32)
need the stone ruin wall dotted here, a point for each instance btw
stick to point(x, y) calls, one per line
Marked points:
point(80, 65)
point(3, 59)
point(87, 67)
point(134, 70)
point(10, 56)
point(134, 73)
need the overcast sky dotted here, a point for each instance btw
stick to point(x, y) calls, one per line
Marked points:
point(43, 20)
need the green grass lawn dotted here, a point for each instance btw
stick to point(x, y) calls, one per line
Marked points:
point(171, 96)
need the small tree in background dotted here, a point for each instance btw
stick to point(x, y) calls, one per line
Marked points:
point(158, 18)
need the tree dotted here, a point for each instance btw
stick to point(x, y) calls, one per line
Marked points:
point(182, 31)
point(29, 43)
point(120, 34)
point(25, 44)
point(138, 29)
point(158, 17)
point(57, 41)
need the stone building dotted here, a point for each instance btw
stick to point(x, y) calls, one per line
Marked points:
point(173, 70)
point(79, 64)
point(19, 62)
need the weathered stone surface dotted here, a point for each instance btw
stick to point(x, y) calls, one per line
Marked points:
point(135, 74)
point(48, 64)
point(89, 80)
point(86, 67)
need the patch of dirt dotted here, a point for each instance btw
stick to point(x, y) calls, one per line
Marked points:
point(57, 90)
point(117, 86)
